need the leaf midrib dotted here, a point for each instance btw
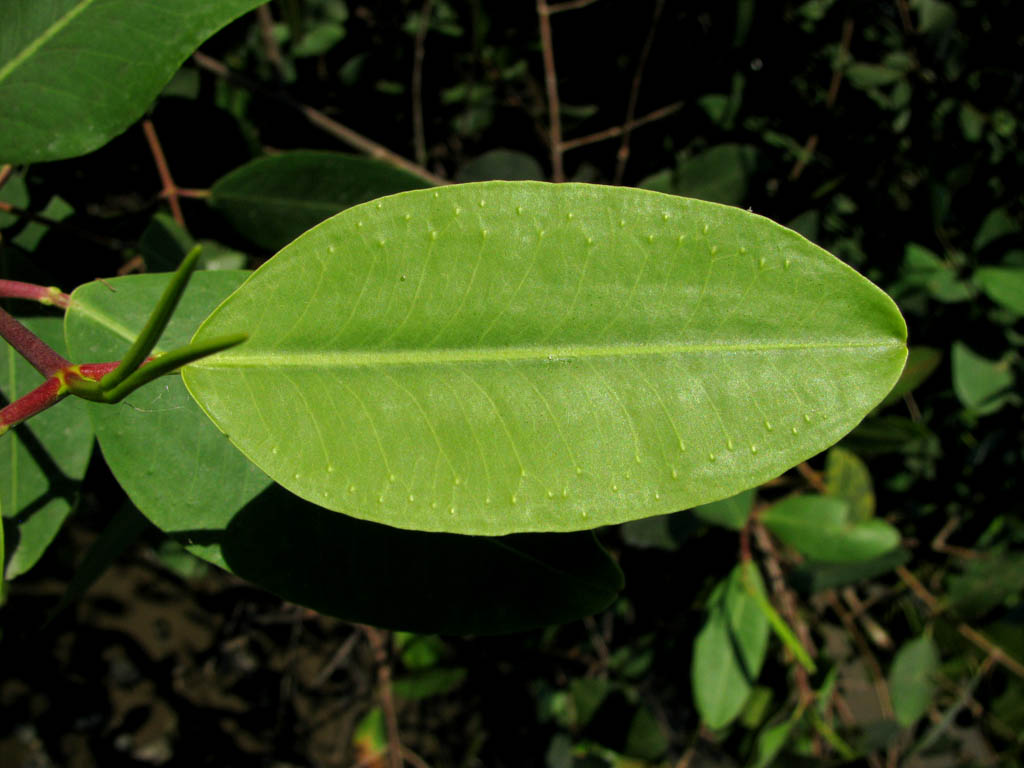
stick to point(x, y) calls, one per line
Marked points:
point(553, 354)
point(42, 39)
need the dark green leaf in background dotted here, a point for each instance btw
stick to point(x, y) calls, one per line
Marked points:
point(501, 164)
point(910, 679)
point(720, 175)
point(921, 363)
point(983, 385)
point(272, 200)
point(42, 461)
point(517, 356)
point(76, 73)
point(1004, 285)
point(847, 477)
point(732, 512)
point(820, 527)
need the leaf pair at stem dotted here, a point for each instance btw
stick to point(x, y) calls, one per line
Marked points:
point(106, 382)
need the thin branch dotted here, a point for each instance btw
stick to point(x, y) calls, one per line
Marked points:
point(42, 357)
point(622, 157)
point(787, 605)
point(812, 476)
point(50, 296)
point(271, 49)
point(991, 649)
point(418, 132)
point(387, 701)
point(5, 173)
point(878, 681)
point(551, 84)
point(833, 93)
point(325, 123)
point(618, 130)
point(170, 191)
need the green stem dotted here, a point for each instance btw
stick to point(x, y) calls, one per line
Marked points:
point(168, 362)
point(158, 320)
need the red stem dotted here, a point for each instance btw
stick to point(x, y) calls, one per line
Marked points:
point(49, 393)
point(48, 295)
point(39, 399)
point(30, 346)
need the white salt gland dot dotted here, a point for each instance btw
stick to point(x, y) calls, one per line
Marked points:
point(519, 209)
point(714, 249)
point(711, 457)
point(753, 449)
point(433, 235)
point(590, 241)
point(650, 238)
point(705, 229)
point(407, 217)
point(570, 216)
point(411, 497)
point(359, 225)
point(330, 467)
point(330, 249)
point(351, 489)
point(483, 203)
point(728, 444)
point(622, 222)
point(379, 206)
point(664, 217)
point(391, 478)
point(675, 474)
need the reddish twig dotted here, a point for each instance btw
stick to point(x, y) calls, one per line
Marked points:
point(170, 191)
point(387, 701)
point(325, 123)
point(51, 296)
point(49, 393)
point(813, 477)
point(419, 138)
point(42, 357)
point(551, 84)
point(618, 130)
point(271, 49)
point(622, 156)
point(966, 630)
point(5, 173)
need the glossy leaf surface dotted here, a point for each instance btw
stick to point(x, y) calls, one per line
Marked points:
point(42, 461)
point(273, 200)
point(186, 477)
point(519, 356)
point(75, 73)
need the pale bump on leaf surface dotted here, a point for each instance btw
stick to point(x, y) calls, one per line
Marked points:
point(75, 73)
point(519, 356)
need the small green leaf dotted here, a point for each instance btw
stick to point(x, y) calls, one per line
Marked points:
point(986, 583)
point(770, 742)
point(720, 688)
point(982, 385)
point(503, 164)
point(847, 477)
point(997, 225)
point(75, 73)
point(518, 356)
point(923, 268)
point(910, 683)
point(1004, 285)
point(318, 40)
point(730, 649)
point(273, 200)
point(732, 512)
point(820, 528)
point(645, 738)
point(921, 363)
point(424, 683)
point(719, 175)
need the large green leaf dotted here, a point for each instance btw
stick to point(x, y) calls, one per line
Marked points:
point(273, 200)
point(75, 73)
point(42, 461)
point(191, 482)
point(519, 356)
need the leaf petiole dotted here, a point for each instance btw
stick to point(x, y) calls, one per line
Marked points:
point(154, 327)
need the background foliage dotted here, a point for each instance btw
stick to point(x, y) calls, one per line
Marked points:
point(887, 132)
